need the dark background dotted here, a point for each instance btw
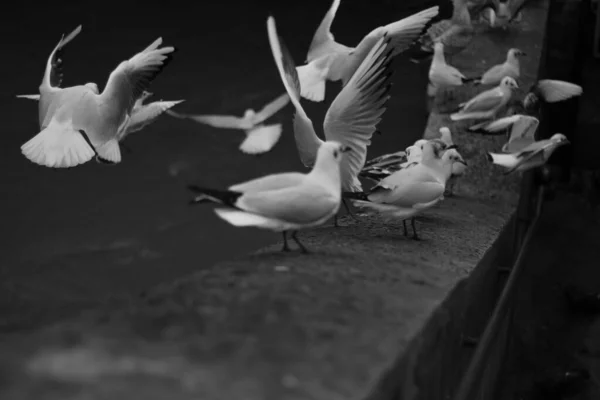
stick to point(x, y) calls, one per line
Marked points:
point(124, 227)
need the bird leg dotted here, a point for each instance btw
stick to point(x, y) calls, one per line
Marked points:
point(285, 247)
point(404, 225)
point(302, 248)
point(449, 189)
point(348, 210)
point(412, 222)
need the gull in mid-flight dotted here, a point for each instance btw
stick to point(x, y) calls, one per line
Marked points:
point(549, 91)
point(79, 122)
point(522, 130)
point(510, 67)
point(330, 60)
point(487, 104)
point(441, 74)
point(500, 13)
point(141, 116)
point(286, 202)
point(260, 137)
point(410, 191)
point(455, 33)
point(532, 156)
point(353, 115)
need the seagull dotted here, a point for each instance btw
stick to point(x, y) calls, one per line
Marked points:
point(141, 116)
point(79, 122)
point(441, 74)
point(500, 13)
point(353, 115)
point(260, 138)
point(522, 130)
point(444, 142)
point(549, 91)
point(486, 104)
point(459, 167)
point(510, 67)
point(455, 33)
point(532, 156)
point(286, 202)
point(409, 191)
point(330, 60)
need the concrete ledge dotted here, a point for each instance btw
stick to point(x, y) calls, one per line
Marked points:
point(286, 326)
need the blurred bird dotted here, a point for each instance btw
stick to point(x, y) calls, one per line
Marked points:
point(549, 91)
point(510, 67)
point(260, 138)
point(532, 156)
point(283, 202)
point(79, 122)
point(499, 13)
point(487, 104)
point(441, 74)
point(522, 130)
point(330, 60)
point(353, 115)
point(455, 33)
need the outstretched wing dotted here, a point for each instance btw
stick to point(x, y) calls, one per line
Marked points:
point(323, 39)
point(485, 101)
point(356, 111)
point(270, 109)
point(132, 77)
point(554, 90)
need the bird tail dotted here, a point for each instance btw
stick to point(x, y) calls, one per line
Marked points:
point(59, 145)
point(109, 152)
point(459, 116)
point(504, 160)
point(29, 96)
point(312, 82)
point(476, 80)
point(375, 174)
point(208, 195)
point(243, 218)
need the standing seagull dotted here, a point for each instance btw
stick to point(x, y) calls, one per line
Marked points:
point(260, 138)
point(487, 104)
point(330, 60)
point(441, 74)
point(283, 202)
point(510, 67)
point(353, 115)
point(79, 122)
point(532, 156)
point(410, 191)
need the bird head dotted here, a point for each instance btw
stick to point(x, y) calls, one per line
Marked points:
point(509, 82)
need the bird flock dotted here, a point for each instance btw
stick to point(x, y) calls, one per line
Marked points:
point(80, 123)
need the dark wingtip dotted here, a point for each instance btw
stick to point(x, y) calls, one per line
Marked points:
point(489, 157)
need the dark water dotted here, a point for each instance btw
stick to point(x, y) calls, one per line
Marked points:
point(127, 226)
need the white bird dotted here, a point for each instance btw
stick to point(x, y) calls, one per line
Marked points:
point(79, 122)
point(441, 74)
point(283, 202)
point(455, 33)
point(550, 91)
point(260, 137)
point(410, 191)
point(330, 60)
point(353, 115)
point(444, 142)
point(499, 14)
point(459, 168)
point(532, 156)
point(487, 104)
point(522, 130)
point(143, 115)
point(510, 67)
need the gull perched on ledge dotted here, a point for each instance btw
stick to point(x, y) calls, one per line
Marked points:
point(260, 138)
point(330, 60)
point(510, 67)
point(353, 115)
point(283, 202)
point(79, 122)
point(487, 104)
point(441, 74)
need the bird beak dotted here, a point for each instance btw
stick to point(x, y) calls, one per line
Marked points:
point(522, 53)
point(463, 162)
point(346, 149)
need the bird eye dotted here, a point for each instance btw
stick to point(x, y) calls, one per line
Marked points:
point(336, 153)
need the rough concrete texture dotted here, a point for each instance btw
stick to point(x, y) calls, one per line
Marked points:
point(271, 325)
point(488, 49)
point(285, 325)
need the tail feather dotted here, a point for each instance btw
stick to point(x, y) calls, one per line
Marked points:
point(312, 82)
point(355, 195)
point(59, 145)
point(109, 152)
point(208, 195)
point(476, 80)
point(243, 218)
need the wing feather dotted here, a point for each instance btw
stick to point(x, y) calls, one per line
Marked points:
point(271, 108)
point(323, 38)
